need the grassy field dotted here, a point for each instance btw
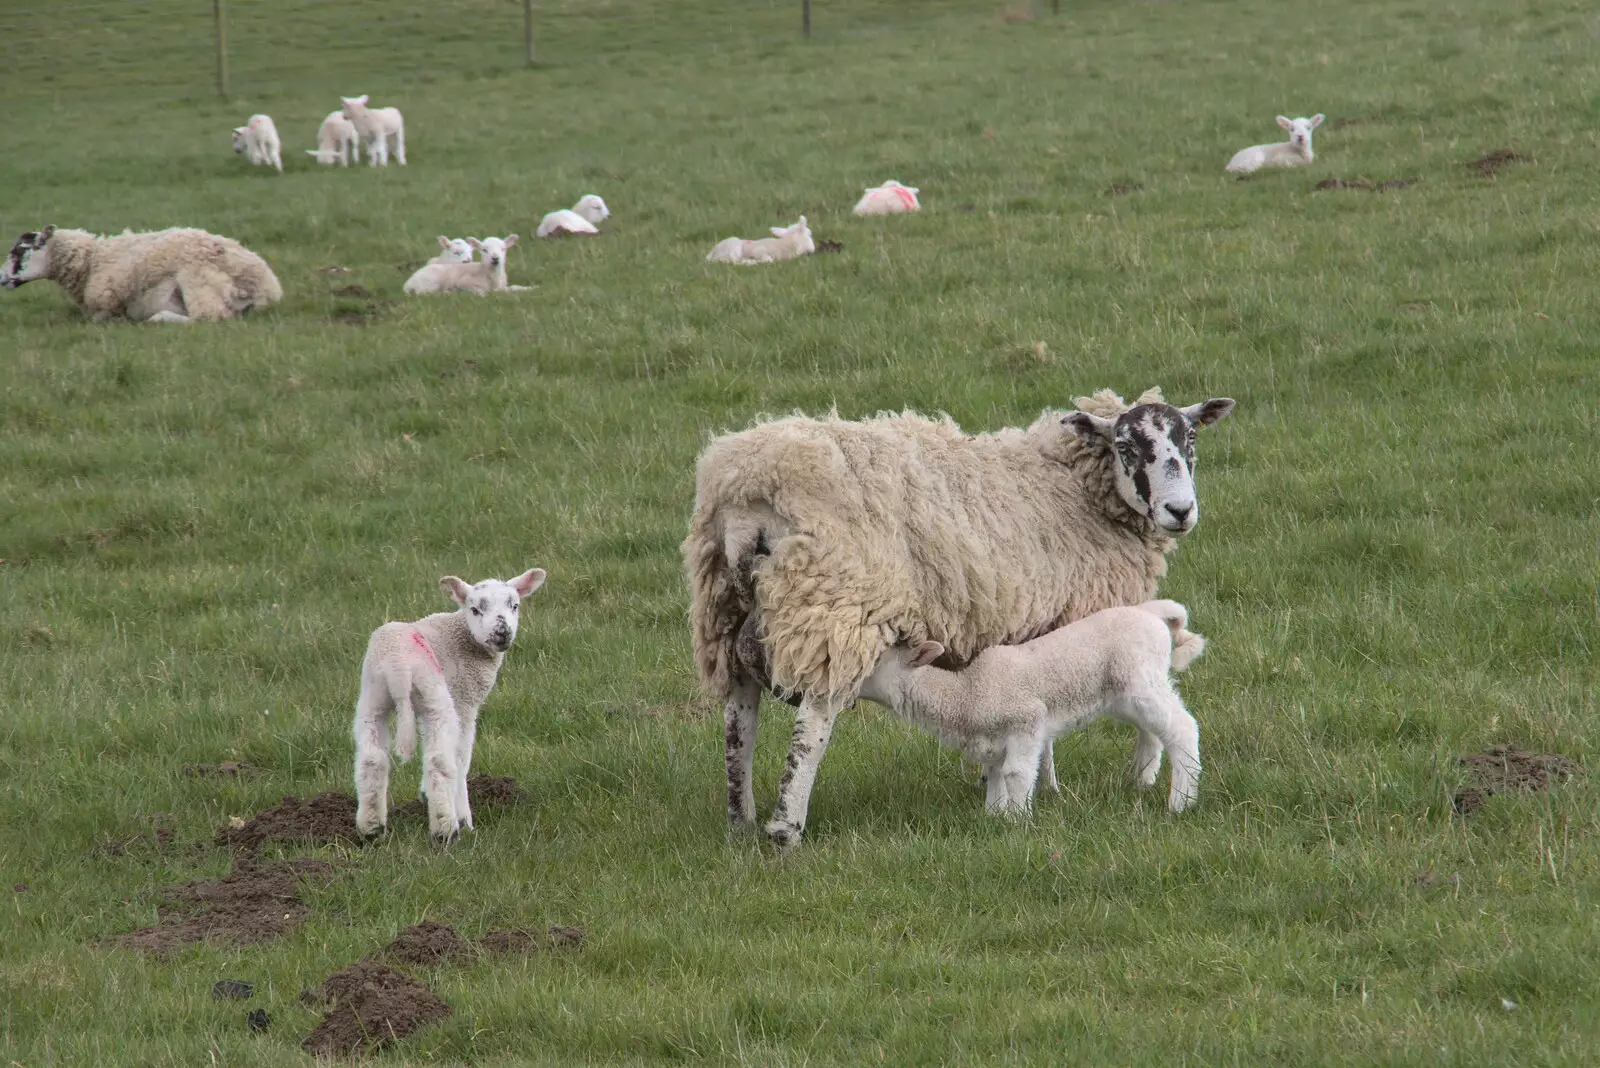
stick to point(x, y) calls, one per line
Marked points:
point(1397, 562)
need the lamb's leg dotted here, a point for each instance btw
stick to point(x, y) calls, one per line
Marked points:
point(441, 736)
point(372, 757)
point(400, 144)
point(1047, 768)
point(813, 726)
point(1018, 772)
point(739, 718)
point(1146, 759)
point(1160, 713)
point(994, 782)
point(168, 317)
point(469, 732)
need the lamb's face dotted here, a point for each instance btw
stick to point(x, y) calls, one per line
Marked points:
point(802, 231)
point(1154, 457)
point(494, 249)
point(455, 249)
point(1300, 131)
point(593, 209)
point(353, 105)
point(29, 259)
point(238, 138)
point(491, 607)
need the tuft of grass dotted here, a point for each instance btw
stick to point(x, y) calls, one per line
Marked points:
point(1397, 562)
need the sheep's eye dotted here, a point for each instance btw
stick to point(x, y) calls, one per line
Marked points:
point(514, 606)
point(477, 612)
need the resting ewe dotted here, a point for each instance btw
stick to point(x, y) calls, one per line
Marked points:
point(786, 243)
point(487, 276)
point(438, 670)
point(585, 217)
point(815, 544)
point(376, 126)
point(890, 198)
point(1004, 708)
point(1290, 153)
point(454, 250)
point(170, 276)
point(258, 140)
point(336, 140)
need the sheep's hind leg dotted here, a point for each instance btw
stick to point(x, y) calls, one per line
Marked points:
point(441, 736)
point(1146, 759)
point(813, 726)
point(740, 717)
point(372, 763)
point(1047, 769)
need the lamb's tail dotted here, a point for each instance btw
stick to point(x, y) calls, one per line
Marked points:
point(405, 717)
point(1186, 645)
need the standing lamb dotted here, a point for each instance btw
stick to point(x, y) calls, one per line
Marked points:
point(376, 126)
point(584, 217)
point(1004, 708)
point(336, 140)
point(258, 140)
point(440, 670)
point(786, 243)
point(169, 276)
point(815, 544)
point(890, 198)
point(486, 276)
point(1291, 153)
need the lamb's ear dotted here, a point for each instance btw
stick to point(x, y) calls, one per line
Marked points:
point(475, 243)
point(1316, 120)
point(1093, 429)
point(528, 581)
point(511, 239)
point(779, 231)
point(1285, 123)
point(926, 654)
point(454, 589)
point(362, 99)
point(1207, 412)
point(240, 129)
point(444, 242)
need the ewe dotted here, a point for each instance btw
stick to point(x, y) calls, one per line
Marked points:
point(336, 140)
point(786, 243)
point(169, 276)
point(484, 277)
point(816, 544)
point(438, 670)
point(258, 140)
point(376, 126)
point(584, 217)
point(1291, 153)
point(1004, 708)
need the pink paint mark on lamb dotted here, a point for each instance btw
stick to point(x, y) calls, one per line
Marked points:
point(907, 197)
point(422, 643)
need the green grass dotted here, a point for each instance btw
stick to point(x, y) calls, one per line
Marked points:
point(1397, 560)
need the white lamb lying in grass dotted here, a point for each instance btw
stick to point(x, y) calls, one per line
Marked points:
point(336, 141)
point(890, 198)
point(786, 243)
point(1005, 707)
point(584, 217)
point(258, 140)
point(376, 126)
point(438, 670)
point(453, 250)
point(483, 277)
point(1291, 153)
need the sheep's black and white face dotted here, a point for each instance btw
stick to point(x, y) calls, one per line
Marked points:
point(491, 607)
point(29, 259)
point(1153, 446)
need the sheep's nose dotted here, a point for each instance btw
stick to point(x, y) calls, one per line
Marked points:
point(1180, 514)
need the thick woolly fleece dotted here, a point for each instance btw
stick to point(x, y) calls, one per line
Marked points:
point(847, 536)
point(217, 276)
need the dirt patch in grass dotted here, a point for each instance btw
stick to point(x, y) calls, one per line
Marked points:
point(486, 792)
point(521, 940)
point(1490, 164)
point(373, 1006)
point(1367, 186)
point(228, 769)
point(161, 839)
point(1122, 189)
point(424, 944)
point(329, 817)
point(232, 990)
point(1508, 769)
point(826, 245)
point(255, 903)
point(354, 313)
point(354, 289)
point(1345, 121)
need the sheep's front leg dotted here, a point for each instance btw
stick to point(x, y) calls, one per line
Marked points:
point(372, 759)
point(469, 732)
point(1047, 768)
point(1016, 774)
point(739, 719)
point(813, 726)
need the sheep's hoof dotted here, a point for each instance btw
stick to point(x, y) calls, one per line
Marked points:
point(369, 834)
point(444, 838)
point(783, 836)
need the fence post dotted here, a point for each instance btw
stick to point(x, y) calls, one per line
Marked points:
point(805, 17)
point(220, 11)
point(527, 29)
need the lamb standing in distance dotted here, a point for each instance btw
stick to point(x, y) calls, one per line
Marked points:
point(890, 198)
point(376, 126)
point(1291, 153)
point(169, 276)
point(454, 250)
point(440, 670)
point(816, 544)
point(258, 140)
point(336, 140)
point(584, 217)
point(1004, 708)
point(484, 277)
point(786, 243)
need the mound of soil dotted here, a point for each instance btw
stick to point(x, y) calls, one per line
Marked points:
point(1370, 187)
point(424, 944)
point(1490, 164)
point(486, 792)
point(329, 817)
point(228, 769)
point(373, 1006)
point(827, 245)
point(253, 904)
point(1502, 769)
point(354, 289)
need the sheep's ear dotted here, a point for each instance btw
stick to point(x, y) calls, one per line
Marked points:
point(454, 589)
point(362, 99)
point(444, 242)
point(1316, 120)
point(926, 654)
point(1093, 429)
point(475, 243)
point(44, 235)
point(511, 239)
point(1207, 412)
point(1285, 123)
point(528, 581)
point(240, 129)
point(801, 225)
point(779, 231)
